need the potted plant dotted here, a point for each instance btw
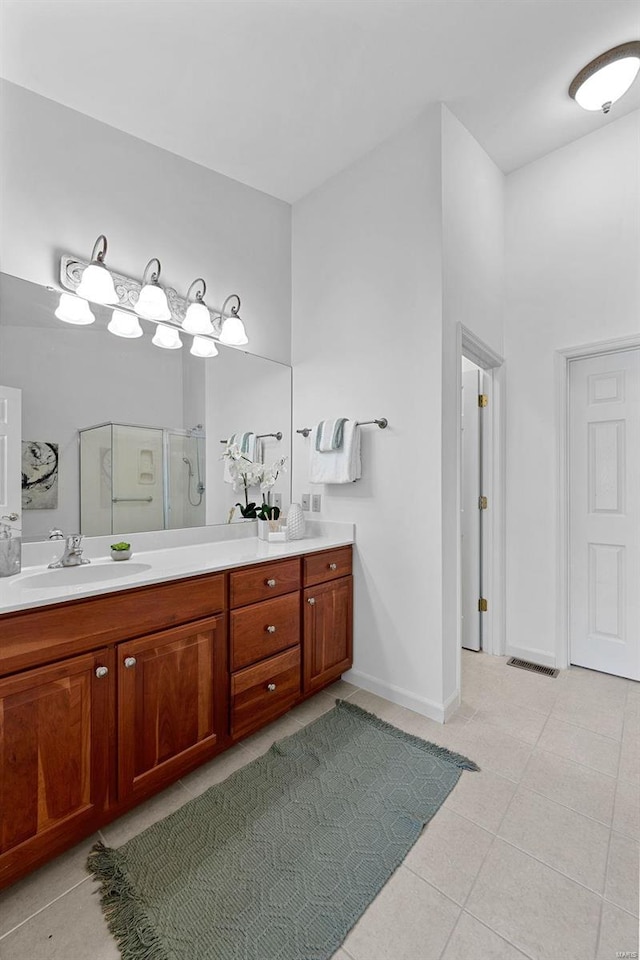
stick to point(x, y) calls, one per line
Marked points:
point(120, 551)
point(247, 473)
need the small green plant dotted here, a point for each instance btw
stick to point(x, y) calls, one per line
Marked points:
point(121, 546)
point(268, 512)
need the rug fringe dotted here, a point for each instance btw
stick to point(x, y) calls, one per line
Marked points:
point(125, 915)
point(426, 745)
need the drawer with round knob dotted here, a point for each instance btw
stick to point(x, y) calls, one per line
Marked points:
point(328, 565)
point(265, 628)
point(262, 692)
point(263, 582)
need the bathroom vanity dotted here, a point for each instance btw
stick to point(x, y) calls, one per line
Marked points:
point(110, 689)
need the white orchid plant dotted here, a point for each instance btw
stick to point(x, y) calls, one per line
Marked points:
point(247, 473)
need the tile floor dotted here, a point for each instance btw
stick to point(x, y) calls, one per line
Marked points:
point(535, 856)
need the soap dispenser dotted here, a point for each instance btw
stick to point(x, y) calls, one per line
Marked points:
point(10, 551)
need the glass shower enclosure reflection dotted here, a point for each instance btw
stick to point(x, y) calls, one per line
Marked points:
point(135, 478)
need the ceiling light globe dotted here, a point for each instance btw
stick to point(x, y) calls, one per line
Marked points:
point(608, 84)
point(124, 325)
point(152, 303)
point(97, 285)
point(74, 310)
point(197, 319)
point(233, 332)
point(166, 337)
point(201, 347)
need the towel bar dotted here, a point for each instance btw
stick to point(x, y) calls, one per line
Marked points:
point(383, 423)
point(277, 435)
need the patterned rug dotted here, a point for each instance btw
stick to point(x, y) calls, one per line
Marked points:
point(280, 860)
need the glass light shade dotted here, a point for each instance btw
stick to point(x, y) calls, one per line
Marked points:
point(233, 332)
point(124, 325)
point(97, 284)
point(197, 319)
point(201, 347)
point(152, 303)
point(166, 337)
point(74, 310)
point(608, 84)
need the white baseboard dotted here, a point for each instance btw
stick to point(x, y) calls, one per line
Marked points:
point(534, 656)
point(404, 698)
point(451, 704)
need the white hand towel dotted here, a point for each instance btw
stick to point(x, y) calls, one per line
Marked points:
point(329, 434)
point(337, 466)
point(250, 447)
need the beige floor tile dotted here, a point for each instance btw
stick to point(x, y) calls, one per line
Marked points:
point(408, 920)
point(618, 934)
point(561, 838)
point(626, 814)
point(602, 713)
point(581, 679)
point(138, 819)
point(378, 705)
point(630, 758)
point(622, 873)
point(42, 886)
point(494, 749)
point(340, 955)
point(580, 745)
point(483, 797)
point(471, 939)
point(341, 689)
point(260, 742)
point(449, 854)
point(216, 770)
point(541, 912)
point(71, 928)
point(312, 708)
point(584, 790)
point(521, 722)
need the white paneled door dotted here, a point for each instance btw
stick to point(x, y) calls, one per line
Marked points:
point(604, 513)
point(11, 456)
point(471, 519)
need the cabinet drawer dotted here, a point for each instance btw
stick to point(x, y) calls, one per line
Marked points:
point(263, 629)
point(263, 582)
point(329, 565)
point(261, 693)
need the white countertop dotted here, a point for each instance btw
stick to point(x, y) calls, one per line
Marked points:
point(37, 586)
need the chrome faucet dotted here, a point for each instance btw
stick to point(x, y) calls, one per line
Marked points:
point(72, 556)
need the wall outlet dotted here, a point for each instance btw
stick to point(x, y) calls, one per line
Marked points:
point(276, 500)
point(305, 501)
point(316, 502)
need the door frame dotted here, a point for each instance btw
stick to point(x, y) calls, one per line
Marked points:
point(494, 447)
point(562, 359)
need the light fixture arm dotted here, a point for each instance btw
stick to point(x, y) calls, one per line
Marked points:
point(151, 275)
point(99, 251)
point(234, 310)
point(198, 296)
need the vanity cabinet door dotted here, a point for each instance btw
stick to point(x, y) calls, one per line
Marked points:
point(54, 749)
point(172, 704)
point(328, 636)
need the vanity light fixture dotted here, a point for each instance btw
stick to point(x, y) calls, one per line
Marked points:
point(166, 337)
point(124, 325)
point(232, 332)
point(197, 318)
point(152, 302)
point(203, 347)
point(97, 283)
point(74, 310)
point(605, 79)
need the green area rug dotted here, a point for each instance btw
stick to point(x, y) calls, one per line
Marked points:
point(280, 860)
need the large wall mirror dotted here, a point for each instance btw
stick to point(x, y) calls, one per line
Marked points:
point(120, 436)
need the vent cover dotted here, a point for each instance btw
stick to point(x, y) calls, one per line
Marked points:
point(533, 667)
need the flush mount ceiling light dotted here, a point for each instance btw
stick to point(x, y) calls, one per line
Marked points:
point(232, 332)
point(197, 319)
point(152, 302)
point(97, 283)
point(74, 310)
point(607, 78)
point(124, 325)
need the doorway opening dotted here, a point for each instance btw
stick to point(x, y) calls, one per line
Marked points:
point(472, 501)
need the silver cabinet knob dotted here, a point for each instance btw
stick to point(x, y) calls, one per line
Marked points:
point(101, 672)
point(333, 566)
point(271, 629)
point(271, 687)
point(130, 662)
point(270, 583)
point(311, 601)
point(9, 516)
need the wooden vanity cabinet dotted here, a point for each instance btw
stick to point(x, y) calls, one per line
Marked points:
point(328, 618)
point(54, 763)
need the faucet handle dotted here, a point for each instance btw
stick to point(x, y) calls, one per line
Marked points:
point(74, 540)
point(56, 534)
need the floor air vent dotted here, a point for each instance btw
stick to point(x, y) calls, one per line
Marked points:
point(533, 667)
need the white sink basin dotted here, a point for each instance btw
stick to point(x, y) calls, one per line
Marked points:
point(81, 576)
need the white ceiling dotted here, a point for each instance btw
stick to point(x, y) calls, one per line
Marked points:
point(281, 94)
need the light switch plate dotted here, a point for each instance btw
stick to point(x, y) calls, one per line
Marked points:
point(305, 501)
point(276, 500)
point(316, 502)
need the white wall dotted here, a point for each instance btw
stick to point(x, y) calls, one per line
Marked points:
point(473, 279)
point(367, 342)
point(67, 178)
point(573, 277)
